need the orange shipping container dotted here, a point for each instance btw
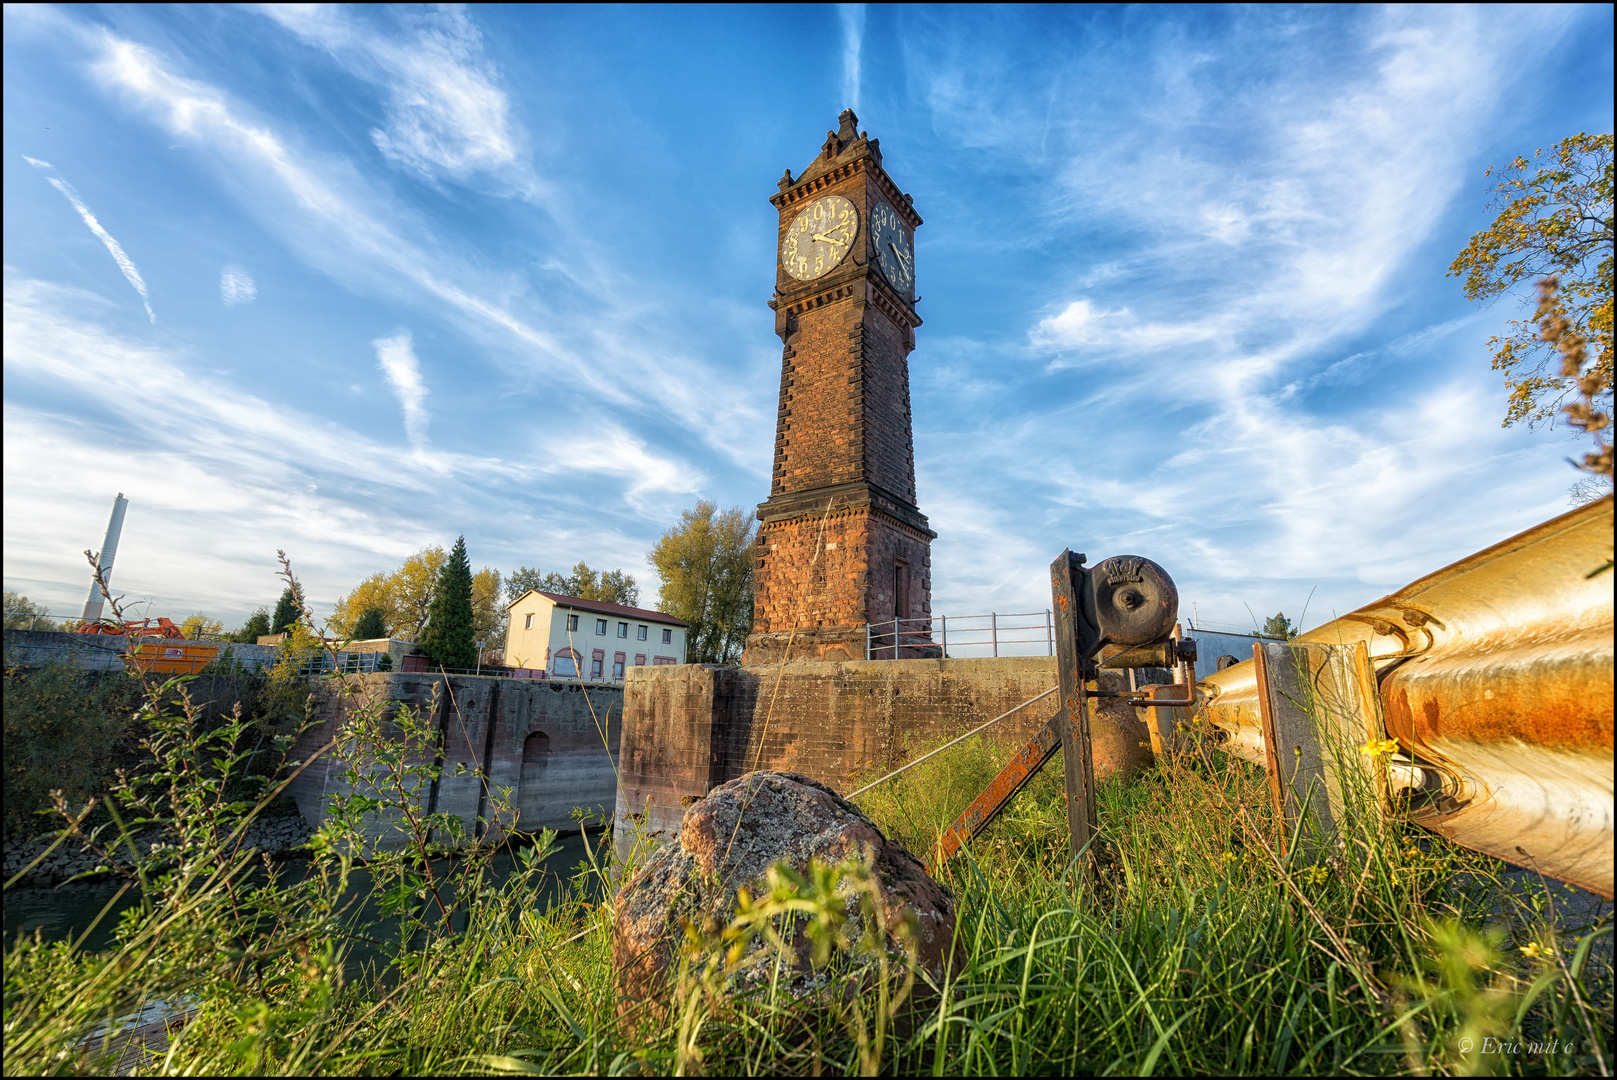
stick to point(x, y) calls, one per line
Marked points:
point(165, 656)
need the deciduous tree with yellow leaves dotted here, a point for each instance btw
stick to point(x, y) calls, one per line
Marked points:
point(404, 597)
point(705, 566)
point(1555, 221)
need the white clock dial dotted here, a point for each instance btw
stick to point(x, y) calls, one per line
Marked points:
point(819, 238)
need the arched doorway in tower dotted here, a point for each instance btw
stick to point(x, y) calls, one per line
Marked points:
point(530, 789)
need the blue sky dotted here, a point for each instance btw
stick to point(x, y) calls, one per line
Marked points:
point(362, 279)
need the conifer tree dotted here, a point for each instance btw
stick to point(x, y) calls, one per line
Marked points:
point(256, 626)
point(372, 624)
point(286, 613)
point(447, 639)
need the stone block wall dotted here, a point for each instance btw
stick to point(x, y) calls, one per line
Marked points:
point(554, 744)
point(689, 728)
point(104, 652)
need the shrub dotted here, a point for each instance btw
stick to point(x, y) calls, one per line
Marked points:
point(64, 729)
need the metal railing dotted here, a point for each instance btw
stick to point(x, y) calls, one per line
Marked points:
point(1014, 633)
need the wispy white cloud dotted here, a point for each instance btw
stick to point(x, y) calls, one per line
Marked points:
point(234, 474)
point(345, 226)
point(238, 475)
point(236, 286)
point(446, 112)
point(610, 450)
point(852, 18)
point(1260, 229)
point(396, 357)
point(127, 265)
point(1080, 325)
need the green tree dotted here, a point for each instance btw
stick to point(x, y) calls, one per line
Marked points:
point(1555, 220)
point(286, 613)
point(23, 614)
point(1279, 627)
point(257, 625)
point(371, 624)
point(448, 638)
point(607, 586)
point(523, 578)
point(705, 567)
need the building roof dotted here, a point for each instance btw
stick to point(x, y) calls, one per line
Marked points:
point(601, 607)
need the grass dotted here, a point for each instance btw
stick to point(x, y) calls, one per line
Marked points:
point(1204, 946)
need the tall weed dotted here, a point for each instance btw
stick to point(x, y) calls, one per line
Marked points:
point(1204, 945)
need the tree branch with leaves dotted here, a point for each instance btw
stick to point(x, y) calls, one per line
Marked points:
point(1554, 221)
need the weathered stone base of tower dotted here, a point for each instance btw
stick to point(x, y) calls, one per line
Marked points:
point(841, 552)
point(809, 643)
point(691, 727)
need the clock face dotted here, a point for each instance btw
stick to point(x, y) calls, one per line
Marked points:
point(820, 237)
point(894, 252)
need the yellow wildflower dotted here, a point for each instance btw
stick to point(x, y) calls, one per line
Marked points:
point(1379, 747)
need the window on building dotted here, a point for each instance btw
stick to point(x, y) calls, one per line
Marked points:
point(596, 663)
point(623, 629)
point(527, 621)
point(617, 665)
point(668, 637)
point(639, 659)
point(661, 661)
point(640, 632)
point(572, 622)
point(565, 665)
point(600, 627)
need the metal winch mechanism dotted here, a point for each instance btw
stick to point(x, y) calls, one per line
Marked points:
point(1130, 608)
point(1120, 614)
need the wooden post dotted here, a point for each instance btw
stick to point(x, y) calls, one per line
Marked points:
point(1077, 641)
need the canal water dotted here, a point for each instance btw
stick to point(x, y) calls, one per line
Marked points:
point(65, 912)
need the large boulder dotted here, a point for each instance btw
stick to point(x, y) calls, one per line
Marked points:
point(728, 841)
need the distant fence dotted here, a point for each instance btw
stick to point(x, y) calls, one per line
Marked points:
point(1014, 633)
point(1023, 633)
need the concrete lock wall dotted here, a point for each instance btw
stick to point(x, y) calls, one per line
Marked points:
point(554, 744)
point(104, 652)
point(689, 728)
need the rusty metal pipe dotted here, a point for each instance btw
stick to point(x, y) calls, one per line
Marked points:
point(1508, 705)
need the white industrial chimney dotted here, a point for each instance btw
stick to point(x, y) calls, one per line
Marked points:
point(109, 548)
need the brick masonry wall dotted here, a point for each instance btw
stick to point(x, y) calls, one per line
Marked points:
point(554, 744)
point(692, 727)
point(843, 441)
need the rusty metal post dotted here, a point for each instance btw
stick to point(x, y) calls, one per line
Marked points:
point(1319, 705)
point(1078, 638)
point(1023, 766)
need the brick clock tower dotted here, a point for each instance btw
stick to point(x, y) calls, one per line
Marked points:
point(841, 544)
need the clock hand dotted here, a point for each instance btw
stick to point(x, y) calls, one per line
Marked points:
point(830, 239)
